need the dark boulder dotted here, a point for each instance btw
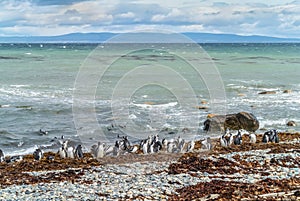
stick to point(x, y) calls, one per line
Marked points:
point(241, 120)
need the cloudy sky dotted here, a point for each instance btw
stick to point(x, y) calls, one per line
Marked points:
point(55, 17)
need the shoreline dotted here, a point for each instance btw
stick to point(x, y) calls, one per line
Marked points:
point(239, 170)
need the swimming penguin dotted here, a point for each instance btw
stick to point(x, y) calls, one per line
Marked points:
point(1, 156)
point(38, 154)
point(238, 138)
point(42, 132)
point(78, 151)
point(252, 138)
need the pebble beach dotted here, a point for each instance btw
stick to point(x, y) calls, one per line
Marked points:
point(246, 172)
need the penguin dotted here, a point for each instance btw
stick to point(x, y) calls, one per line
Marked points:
point(180, 144)
point(42, 132)
point(191, 146)
point(238, 138)
point(63, 150)
point(78, 151)
point(14, 159)
point(206, 144)
point(171, 148)
point(100, 150)
point(223, 141)
point(38, 154)
point(252, 138)
point(1, 156)
point(50, 158)
point(116, 149)
point(275, 136)
point(265, 138)
point(230, 140)
point(164, 145)
point(157, 145)
point(144, 146)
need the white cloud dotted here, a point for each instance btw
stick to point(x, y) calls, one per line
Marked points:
point(36, 17)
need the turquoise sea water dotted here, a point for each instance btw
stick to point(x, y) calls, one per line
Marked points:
point(37, 83)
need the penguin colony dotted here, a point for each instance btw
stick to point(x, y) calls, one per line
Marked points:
point(152, 144)
point(228, 139)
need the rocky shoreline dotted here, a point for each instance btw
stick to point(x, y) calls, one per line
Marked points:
point(247, 172)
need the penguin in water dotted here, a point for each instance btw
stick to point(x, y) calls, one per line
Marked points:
point(43, 132)
point(1, 156)
point(38, 154)
point(78, 151)
point(238, 138)
point(252, 138)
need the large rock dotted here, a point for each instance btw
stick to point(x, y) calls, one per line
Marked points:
point(242, 120)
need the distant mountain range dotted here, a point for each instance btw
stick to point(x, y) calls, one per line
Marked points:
point(101, 37)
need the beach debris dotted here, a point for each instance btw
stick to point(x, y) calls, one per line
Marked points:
point(38, 154)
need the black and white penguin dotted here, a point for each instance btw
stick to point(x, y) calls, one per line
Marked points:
point(265, 138)
point(223, 141)
point(78, 151)
point(14, 159)
point(1, 156)
point(63, 150)
point(238, 138)
point(43, 132)
point(274, 137)
point(38, 154)
point(190, 146)
point(206, 144)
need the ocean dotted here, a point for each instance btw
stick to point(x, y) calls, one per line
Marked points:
point(72, 90)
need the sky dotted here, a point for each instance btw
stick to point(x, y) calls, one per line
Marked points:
point(276, 18)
